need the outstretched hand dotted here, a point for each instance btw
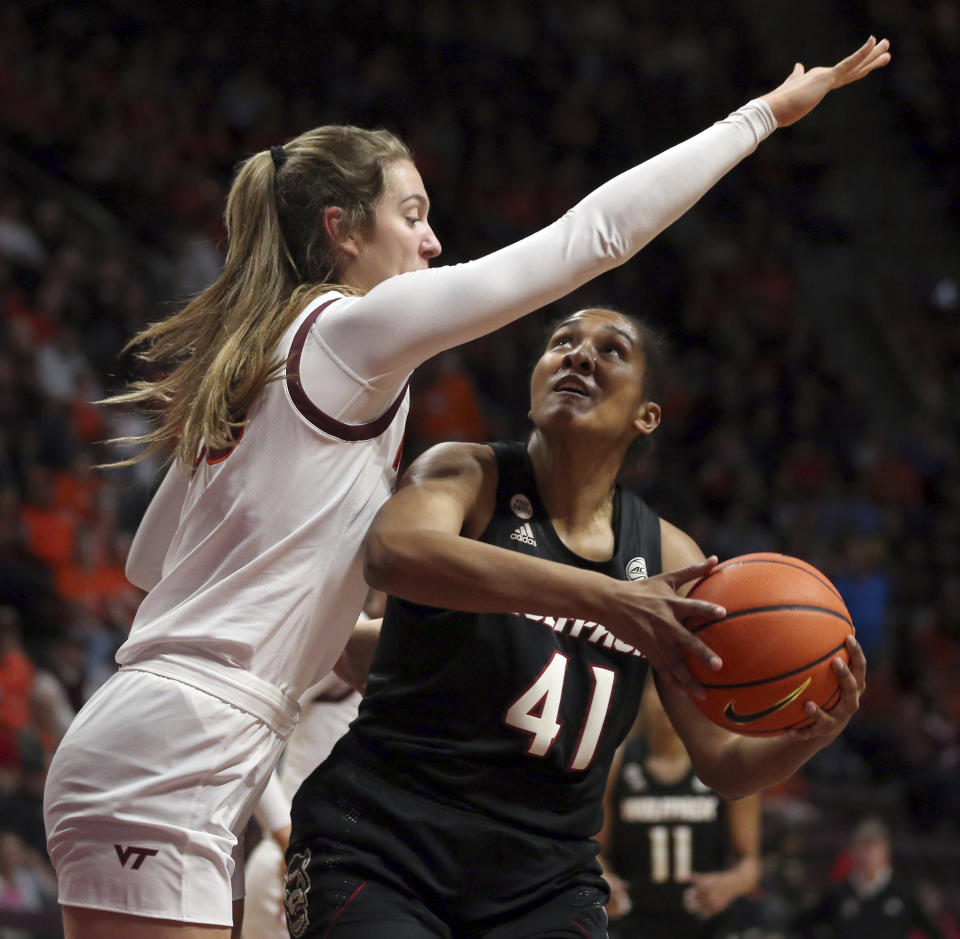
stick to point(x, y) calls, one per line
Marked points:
point(653, 621)
point(803, 90)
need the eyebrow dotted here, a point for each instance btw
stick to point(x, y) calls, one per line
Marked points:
point(422, 200)
point(573, 321)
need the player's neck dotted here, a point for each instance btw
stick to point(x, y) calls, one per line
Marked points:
point(575, 481)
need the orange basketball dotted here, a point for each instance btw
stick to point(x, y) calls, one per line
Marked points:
point(785, 622)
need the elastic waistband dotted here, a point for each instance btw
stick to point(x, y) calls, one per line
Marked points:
point(234, 686)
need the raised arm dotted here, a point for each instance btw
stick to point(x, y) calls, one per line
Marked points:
point(422, 547)
point(411, 317)
point(734, 765)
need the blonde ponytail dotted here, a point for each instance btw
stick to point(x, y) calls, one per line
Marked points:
point(217, 353)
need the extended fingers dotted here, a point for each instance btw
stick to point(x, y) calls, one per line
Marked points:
point(858, 666)
point(691, 645)
point(674, 670)
point(851, 679)
point(871, 55)
point(697, 571)
point(856, 59)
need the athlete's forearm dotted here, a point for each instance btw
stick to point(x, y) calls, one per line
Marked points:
point(732, 764)
point(738, 766)
point(440, 569)
point(407, 319)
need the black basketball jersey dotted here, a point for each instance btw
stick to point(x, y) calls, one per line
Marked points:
point(513, 715)
point(663, 832)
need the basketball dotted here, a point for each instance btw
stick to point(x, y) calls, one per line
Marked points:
point(785, 622)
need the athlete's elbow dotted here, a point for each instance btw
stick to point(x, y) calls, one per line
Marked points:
point(729, 786)
point(383, 567)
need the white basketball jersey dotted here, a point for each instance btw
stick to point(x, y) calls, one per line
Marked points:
point(260, 578)
point(256, 576)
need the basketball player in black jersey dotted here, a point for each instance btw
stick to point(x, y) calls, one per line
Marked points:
point(675, 854)
point(464, 799)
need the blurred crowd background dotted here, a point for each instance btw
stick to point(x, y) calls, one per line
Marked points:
point(812, 301)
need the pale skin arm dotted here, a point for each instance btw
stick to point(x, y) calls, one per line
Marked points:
point(734, 765)
point(627, 213)
point(712, 892)
point(445, 501)
point(802, 91)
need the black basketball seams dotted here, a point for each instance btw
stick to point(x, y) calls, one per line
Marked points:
point(802, 607)
point(774, 560)
point(772, 678)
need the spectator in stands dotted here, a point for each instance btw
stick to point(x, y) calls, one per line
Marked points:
point(869, 900)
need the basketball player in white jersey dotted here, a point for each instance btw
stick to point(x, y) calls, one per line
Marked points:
point(282, 395)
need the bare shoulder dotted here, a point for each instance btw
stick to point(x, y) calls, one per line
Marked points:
point(466, 473)
point(470, 462)
point(677, 548)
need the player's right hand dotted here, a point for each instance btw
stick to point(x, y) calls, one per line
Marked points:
point(654, 622)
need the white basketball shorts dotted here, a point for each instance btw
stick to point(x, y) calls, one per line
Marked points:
point(151, 788)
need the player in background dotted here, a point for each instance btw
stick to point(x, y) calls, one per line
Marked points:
point(465, 797)
point(676, 854)
point(281, 390)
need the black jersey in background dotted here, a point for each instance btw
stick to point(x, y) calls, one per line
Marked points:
point(661, 832)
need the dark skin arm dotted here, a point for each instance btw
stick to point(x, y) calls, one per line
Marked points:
point(736, 766)
point(430, 525)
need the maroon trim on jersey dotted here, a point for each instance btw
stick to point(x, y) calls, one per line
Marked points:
point(311, 412)
point(218, 456)
point(399, 456)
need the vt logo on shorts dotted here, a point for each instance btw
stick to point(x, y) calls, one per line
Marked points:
point(141, 855)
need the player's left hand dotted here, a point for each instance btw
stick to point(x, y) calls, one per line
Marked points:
point(803, 90)
point(853, 683)
point(709, 894)
point(619, 903)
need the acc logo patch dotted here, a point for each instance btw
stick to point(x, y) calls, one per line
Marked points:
point(521, 506)
point(637, 569)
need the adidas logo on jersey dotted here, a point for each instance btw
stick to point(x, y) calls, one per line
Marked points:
point(524, 533)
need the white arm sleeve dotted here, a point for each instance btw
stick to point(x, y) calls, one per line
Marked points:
point(378, 339)
point(156, 530)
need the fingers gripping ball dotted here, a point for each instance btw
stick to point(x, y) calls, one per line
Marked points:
point(785, 623)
